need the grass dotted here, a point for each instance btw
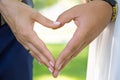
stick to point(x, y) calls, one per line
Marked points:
point(75, 70)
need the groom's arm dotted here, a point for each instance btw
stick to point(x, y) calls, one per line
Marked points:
point(28, 2)
point(21, 19)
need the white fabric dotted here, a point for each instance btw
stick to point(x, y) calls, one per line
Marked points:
point(104, 53)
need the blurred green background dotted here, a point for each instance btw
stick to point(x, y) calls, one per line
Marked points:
point(75, 70)
point(40, 4)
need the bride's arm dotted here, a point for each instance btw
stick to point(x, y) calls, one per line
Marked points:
point(91, 19)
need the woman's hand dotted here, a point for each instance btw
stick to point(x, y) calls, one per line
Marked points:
point(21, 18)
point(91, 19)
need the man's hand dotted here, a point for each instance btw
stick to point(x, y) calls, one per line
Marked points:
point(91, 19)
point(21, 18)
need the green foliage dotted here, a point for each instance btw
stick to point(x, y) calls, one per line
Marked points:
point(39, 4)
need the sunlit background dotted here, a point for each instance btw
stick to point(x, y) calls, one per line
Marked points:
point(56, 41)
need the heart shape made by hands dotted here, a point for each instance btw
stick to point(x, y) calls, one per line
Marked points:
point(90, 19)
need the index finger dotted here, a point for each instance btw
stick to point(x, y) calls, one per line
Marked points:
point(72, 47)
point(41, 47)
point(69, 52)
point(44, 21)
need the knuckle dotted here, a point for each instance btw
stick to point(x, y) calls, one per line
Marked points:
point(61, 17)
point(63, 57)
point(71, 50)
point(35, 14)
point(24, 34)
point(74, 55)
point(56, 68)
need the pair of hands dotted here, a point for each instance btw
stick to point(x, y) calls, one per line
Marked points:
point(90, 18)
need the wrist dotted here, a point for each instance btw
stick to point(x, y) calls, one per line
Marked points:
point(3, 5)
point(114, 6)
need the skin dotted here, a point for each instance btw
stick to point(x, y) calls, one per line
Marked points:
point(21, 18)
point(91, 19)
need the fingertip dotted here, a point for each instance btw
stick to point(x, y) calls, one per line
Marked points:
point(45, 21)
point(65, 17)
point(55, 74)
point(56, 23)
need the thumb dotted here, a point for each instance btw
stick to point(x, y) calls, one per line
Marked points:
point(45, 21)
point(66, 17)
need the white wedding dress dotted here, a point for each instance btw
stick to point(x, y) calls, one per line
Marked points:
point(104, 53)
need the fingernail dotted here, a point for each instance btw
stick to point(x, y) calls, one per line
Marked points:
point(56, 23)
point(56, 74)
point(51, 64)
point(50, 70)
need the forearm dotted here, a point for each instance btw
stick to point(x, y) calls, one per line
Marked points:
point(4, 4)
point(1, 5)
